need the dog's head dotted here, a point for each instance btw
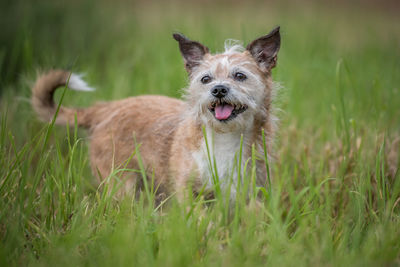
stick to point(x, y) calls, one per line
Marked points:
point(228, 91)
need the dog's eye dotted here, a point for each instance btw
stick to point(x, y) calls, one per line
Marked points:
point(206, 79)
point(238, 76)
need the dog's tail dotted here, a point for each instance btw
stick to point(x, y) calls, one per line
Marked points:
point(43, 103)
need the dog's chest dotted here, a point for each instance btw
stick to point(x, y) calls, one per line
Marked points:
point(222, 153)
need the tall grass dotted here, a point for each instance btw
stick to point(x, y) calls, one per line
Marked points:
point(333, 196)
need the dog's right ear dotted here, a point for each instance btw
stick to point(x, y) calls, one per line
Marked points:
point(192, 51)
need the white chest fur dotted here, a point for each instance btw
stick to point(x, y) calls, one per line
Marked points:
point(222, 154)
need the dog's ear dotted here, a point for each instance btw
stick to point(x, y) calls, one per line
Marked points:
point(265, 50)
point(192, 51)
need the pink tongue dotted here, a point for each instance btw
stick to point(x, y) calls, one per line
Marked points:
point(222, 112)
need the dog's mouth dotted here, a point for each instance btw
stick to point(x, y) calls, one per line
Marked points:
point(224, 111)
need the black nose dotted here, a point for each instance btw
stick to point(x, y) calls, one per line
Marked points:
point(219, 91)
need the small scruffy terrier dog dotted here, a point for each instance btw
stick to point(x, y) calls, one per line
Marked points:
point(229, 96)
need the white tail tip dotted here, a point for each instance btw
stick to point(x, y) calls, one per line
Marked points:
point(77, 83)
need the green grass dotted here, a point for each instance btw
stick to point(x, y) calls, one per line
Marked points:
point(335, 186)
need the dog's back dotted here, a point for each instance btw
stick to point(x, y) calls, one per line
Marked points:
point(116, 128)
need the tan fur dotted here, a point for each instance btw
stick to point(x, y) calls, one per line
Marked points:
point(168, 131)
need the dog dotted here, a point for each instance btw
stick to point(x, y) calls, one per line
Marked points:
point(227, 104)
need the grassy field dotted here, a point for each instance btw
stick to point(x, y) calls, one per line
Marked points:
point(335, 196)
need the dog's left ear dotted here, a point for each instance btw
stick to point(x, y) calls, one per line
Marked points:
point(265, 50)
point(192, 51)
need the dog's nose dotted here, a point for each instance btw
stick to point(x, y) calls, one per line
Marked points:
point(219, 91)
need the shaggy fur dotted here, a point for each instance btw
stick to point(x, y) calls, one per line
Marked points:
point(229, 95)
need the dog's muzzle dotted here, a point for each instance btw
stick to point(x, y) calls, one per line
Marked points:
point(223, 109)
